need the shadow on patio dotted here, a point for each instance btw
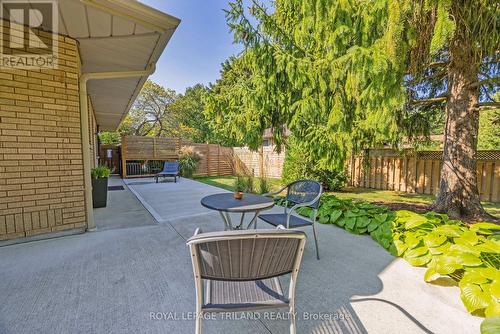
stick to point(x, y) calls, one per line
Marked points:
point(134, 276)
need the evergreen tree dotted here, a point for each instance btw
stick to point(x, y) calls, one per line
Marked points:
point(344, 75)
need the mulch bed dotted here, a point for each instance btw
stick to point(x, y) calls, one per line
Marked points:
point(418, 208)
point(415, 207)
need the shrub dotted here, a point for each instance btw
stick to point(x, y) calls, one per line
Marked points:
point(188, 161)
point(331, 180)
point(250, 185)
point(264, 186)
point(298, 165)
point(240, 184)
point(100, 172)
point(109, 138)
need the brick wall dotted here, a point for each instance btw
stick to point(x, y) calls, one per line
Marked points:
point(41, 171)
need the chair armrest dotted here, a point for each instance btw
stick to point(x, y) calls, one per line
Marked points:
point(276, 192)
point(299, 205)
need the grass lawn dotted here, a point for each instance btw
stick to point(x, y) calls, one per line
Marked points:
point(388, 196)
point(370, 195)
point(227, 182)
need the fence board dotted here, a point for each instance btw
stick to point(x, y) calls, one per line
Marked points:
point(495, 197)
point(420, 173)
point(397, 174)
point(487, 181)
point(215, 160)
point(436, 172)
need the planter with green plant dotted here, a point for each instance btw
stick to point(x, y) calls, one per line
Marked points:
point(240, 186)
point(100, 176)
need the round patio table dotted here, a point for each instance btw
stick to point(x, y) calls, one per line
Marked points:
point(226, 203)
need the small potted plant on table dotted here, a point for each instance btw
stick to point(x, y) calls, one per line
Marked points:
point(240, 186)
point(100, 176)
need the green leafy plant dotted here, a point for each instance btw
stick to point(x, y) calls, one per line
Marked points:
point(331, 180)
point(100, 172)
point(300, 165)
point(250, 184)
point(490, 325)
point(240, 184)
point(469, 255)
point(358, 217)
point(188, 161)
point(264, 186)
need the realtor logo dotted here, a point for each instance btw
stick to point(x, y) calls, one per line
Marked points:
point(29, 34)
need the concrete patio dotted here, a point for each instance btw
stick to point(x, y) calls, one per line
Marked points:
point(135, 276)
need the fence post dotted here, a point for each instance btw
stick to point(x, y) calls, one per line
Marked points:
point(218, 160)
point(124, 156)
point(207, 146)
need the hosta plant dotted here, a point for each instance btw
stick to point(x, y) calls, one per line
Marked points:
point(356, 217)
point(469, 255)
point(447, 247)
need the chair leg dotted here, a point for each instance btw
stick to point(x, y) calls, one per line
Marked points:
point(293, 325)
point(198, 324)
point(315, 241)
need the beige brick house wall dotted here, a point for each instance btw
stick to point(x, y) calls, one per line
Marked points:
point(41, 171)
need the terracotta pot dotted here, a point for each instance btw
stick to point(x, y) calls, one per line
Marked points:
point(238, 195)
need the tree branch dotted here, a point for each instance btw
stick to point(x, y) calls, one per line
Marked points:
point(485, 82)
point(488, 105)
point(438, 64)
point(429, 101)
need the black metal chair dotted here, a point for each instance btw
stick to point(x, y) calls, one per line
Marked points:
point(301, 193)
point(170, 168)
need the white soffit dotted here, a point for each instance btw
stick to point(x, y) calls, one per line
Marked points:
point(115, 35)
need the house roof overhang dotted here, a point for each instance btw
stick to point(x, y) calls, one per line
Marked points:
point(114, 36)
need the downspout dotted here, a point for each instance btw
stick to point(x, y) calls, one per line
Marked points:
point(84, 120)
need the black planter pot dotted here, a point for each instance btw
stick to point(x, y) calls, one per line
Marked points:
point(100, 192)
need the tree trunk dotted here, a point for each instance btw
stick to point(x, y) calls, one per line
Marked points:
point(458, 193)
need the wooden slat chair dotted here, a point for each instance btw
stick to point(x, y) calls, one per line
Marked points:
point(170, 168)
point(240, 270)
point(300, 193)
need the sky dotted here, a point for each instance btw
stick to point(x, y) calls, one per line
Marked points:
point(199, 45)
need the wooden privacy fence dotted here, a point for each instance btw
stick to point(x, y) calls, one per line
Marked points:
point(215, 160)
point(419, 172)
point(265, 162)
point(144, 156)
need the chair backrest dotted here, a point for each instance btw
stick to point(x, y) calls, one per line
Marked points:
point(246, 255)
point(171, 166)
point(303, 191)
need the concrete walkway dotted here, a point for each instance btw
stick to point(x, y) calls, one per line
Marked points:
point(138, 279)
point(123, 209)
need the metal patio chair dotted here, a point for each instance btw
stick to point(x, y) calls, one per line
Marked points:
point(301, 193)
point(170, 168)
point(240, 270)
